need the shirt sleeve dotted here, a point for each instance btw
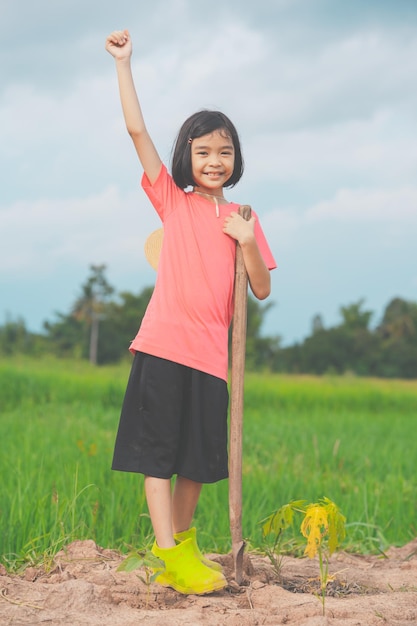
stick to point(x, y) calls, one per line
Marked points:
point(163, 193)
point(264, 248)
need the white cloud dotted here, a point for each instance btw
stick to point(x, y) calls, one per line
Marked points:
point(107, 227)
point(369, 205)
point(382, 218)
point(353, 151)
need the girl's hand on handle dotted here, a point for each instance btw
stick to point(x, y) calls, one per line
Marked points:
point(240, 229)
point(119, 44)
point(244, 232)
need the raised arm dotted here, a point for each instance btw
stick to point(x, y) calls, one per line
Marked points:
point(258, 273)
point(119, 45)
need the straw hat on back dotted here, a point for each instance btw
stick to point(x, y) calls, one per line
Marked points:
point(153, 246)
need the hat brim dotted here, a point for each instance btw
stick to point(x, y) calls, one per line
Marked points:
point(153, 246)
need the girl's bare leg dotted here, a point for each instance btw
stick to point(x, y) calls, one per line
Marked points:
point(159, 499)
point(184, 502)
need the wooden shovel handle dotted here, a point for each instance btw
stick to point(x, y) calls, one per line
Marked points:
point(236, 405)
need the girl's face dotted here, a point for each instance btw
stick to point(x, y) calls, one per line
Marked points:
point(212, 161)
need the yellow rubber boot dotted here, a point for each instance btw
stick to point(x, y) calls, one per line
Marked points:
point(184, 571)
point(192, 533)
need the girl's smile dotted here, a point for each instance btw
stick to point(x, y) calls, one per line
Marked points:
point(212, 161)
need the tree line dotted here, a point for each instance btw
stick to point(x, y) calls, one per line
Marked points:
point(101, 323)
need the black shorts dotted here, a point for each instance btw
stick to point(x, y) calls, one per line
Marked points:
point(173, 421)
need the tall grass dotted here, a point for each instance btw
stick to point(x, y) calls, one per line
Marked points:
point(349, 439)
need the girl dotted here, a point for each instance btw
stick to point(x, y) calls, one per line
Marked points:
point(174, 415)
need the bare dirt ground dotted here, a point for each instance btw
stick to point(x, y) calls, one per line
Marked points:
point(83, 587)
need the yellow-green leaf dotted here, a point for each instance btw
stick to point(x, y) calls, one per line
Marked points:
point(314, 527)
point(337, 521)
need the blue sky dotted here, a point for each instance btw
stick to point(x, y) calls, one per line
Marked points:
point(323, 93)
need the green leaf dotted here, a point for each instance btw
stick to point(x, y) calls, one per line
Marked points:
point(138, 559)
point(282, 518)
point(336, 520)
point(131, 562)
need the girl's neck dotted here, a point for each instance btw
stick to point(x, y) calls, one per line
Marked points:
point(213, 197)
point(217, 195)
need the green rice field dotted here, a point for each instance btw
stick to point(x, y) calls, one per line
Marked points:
point(352, 440)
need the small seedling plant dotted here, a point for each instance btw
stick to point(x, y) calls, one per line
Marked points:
point(323, 525)
point(143, 559)
point(324, 528)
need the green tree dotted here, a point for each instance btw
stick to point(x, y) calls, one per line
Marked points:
point(123, 318)
point(345, 347)
point(66, 336)
point(398, 338)
point(317, 324)
point(77, 333)
point(354, 317)
point(90, 307)
point(13, 336)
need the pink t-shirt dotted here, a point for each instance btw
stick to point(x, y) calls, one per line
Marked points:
point(189, 314)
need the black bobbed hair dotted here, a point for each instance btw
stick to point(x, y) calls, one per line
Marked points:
point(203, 123)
